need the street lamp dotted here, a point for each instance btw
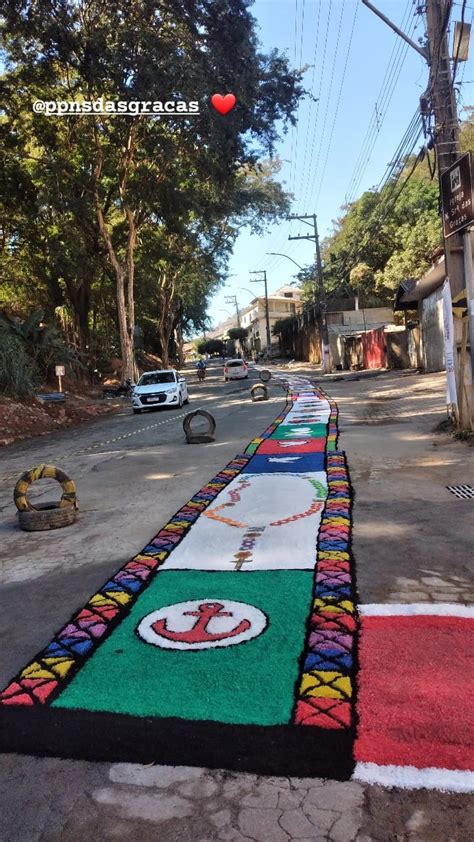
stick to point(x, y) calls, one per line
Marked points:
point(279, 254)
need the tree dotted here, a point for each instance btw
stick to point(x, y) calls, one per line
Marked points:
point(237, 333)
point(144, 172)
point(211, 346)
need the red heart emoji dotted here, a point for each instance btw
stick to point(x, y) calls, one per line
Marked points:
point(223, 104)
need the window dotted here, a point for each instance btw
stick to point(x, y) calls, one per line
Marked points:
point(288, 294)
point(154, 378)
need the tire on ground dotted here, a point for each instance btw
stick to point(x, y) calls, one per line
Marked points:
point(259, 392)
point(265, 375)
point(199, 438)
point(46, 516)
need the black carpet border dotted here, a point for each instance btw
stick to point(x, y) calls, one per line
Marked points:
point(279, 750)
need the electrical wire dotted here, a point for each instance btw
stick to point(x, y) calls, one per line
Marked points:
point(385, 94)
point(336, 111)
point(328, 101)
point(374, 120)
point(323, 67)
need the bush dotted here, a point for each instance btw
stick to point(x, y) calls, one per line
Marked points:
point(19, 376)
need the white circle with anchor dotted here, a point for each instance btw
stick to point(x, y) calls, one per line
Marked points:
point(202, 624)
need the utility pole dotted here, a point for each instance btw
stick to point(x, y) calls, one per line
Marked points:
point(319, 290)
point(267, 315)
point(232, 299)
point(441, 98)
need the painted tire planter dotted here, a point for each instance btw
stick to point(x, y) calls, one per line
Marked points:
point(259, 392)
point(199, 438)
point(265, 375)
point(20, 494)
point(42, 516)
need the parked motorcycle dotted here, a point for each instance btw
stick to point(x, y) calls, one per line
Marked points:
point(123, 391)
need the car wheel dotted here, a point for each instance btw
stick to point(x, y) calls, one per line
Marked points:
point(136, 411)
point(187, 399)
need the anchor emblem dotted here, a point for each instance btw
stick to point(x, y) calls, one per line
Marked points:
point(217, 624)
point(199, 633)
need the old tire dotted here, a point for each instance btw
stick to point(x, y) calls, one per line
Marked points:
point(265, 375)
point(46, 516)
point(20, 494)
point(199, 438)
point(259, 392)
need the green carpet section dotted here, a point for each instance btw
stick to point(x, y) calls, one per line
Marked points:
point(248, 683)
point(287, 431)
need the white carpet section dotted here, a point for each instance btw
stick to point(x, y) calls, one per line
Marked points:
point(411, 609)
point(409, 777)
point(256, 504)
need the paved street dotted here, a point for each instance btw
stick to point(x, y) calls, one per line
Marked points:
point(412, 542)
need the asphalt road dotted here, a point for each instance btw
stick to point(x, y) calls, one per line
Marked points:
point(132, 473)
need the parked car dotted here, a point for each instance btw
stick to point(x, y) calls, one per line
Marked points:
point(235, 370)
point(159, 388)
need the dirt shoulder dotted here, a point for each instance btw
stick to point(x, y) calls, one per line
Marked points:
point(21, 420)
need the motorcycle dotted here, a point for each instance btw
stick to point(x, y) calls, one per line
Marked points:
point(123, 391)
point(201, 374)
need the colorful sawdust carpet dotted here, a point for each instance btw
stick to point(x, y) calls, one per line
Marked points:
point(229, 640)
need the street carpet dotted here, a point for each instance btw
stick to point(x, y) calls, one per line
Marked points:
point(229, 641)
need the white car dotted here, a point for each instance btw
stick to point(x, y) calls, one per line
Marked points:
point(235, 370)
point(159, 388)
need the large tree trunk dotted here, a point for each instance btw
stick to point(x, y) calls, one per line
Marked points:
point(124, 284)
point(167, 315)
point(179, 345)
point(124, 270)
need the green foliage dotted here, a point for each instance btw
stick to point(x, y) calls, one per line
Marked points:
point(281, 325)
point(237, 333)
point(379, 241)
point(19, 376)
point(31, 348)
point(95, 203)
point(211, 346)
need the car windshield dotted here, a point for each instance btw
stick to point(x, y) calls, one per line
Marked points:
point(235, 363)
point(156, 377)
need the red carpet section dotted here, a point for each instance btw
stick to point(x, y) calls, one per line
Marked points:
point(416, 691)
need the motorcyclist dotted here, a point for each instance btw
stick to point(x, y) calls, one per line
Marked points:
point(201, 369)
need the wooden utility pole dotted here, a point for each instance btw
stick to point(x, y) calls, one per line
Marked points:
point(232, 299)
point(440, 99)
point(319, 289)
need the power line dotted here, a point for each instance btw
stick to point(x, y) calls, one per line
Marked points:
point(393, 57)
point(336, 111)
point(387, 88)
point(323, 67)
point(375, 134)
point(328, 100)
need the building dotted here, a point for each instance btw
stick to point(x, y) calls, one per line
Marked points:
point(282, 304)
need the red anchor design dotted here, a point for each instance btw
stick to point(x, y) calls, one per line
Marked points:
point(199, 633)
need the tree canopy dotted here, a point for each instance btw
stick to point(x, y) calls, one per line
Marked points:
point(118, 218)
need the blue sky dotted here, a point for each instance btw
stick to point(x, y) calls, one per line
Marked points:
point(322, 153)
